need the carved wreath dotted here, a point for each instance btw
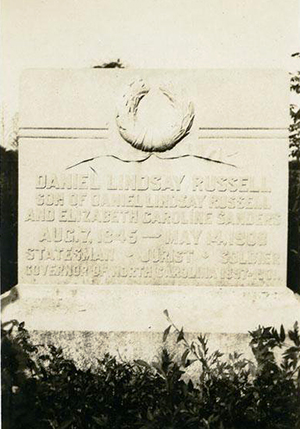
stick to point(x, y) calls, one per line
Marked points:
point(140, 136)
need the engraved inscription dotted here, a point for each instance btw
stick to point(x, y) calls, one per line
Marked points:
point(185, 228)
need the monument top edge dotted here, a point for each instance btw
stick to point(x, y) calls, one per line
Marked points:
point(88, 98)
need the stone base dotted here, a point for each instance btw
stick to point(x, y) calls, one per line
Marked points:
point(88, 321)
point(85, 347)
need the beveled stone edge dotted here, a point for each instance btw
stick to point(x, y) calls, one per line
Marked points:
point(140, 309)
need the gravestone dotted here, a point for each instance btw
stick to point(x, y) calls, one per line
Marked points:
point(148, 190)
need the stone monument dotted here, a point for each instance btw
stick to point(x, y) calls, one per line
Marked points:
point(148, 190)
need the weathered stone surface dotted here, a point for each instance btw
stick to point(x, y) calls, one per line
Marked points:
point(142, 191)
point(207, 206)
point(134, 308)
point(133, 345)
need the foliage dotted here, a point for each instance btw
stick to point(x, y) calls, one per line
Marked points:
point(111, 65)
point(295, 115)
point(293, 279)
point(240, 394)
point(295, 130)
point(42, 389)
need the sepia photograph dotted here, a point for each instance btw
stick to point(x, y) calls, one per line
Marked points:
point(150, 214)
